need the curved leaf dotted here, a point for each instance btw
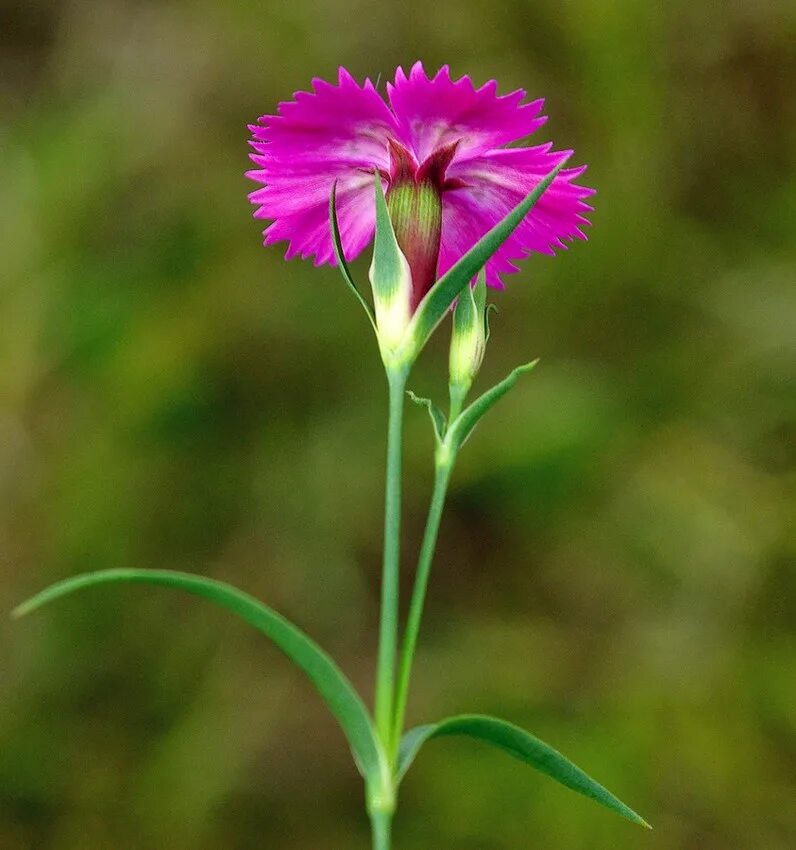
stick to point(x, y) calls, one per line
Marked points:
point(333, 686)
point(340, 256)
point(436, 415)
point(520, 744)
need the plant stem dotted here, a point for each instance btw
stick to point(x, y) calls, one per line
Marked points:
point(381, 823)
point(388, 628)
point(458, 393)
point(444, 464)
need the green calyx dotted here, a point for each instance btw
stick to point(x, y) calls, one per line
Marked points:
point(415, 210)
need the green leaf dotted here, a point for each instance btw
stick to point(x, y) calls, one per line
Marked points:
point(439, 298)
point(437, 416)
point(341, 260)
point(463, 426)
point(520, 744)
point(333, 686)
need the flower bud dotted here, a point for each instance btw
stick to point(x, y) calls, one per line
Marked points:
point(468, 339)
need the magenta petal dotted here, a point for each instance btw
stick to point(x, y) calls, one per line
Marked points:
point(333, 133)
point(436, 112)
point(492, 185)
point(452, 137)
point(307, 230)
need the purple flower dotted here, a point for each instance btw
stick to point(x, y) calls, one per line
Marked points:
point(440, 147)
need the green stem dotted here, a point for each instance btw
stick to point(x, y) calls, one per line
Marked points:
point(388, 628)
point(444, 464)
point(381, 823)
point(458, 393)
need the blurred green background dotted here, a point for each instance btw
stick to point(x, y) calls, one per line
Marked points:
point(616, 565)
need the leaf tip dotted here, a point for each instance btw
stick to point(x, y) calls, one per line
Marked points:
point(22, 609)
point(526, 367)
point(633, 817)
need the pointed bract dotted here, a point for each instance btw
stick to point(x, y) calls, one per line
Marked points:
point(391, 279)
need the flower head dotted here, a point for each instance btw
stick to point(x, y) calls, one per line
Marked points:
point(440, 147)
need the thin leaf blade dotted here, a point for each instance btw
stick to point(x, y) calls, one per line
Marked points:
point(334, 226)
point(464, 424)
point(521, 745)
point(435, 414)
point(330, 682)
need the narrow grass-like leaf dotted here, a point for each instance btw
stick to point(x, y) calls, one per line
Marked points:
point(520, 744)
point(436, 415)
point(331, 683)
point(439, 298)
point(341, 260)
point(462, 427)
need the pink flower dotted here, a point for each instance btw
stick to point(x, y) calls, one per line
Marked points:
point(441, 149)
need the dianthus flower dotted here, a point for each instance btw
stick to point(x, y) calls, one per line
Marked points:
point(440, 147)
point(430, 177)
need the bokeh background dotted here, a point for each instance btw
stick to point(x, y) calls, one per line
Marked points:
point(616, 565)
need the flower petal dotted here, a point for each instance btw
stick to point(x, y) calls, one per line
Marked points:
point(436, 112)
point(332, 133)
point(492, 185)
point(308, 231)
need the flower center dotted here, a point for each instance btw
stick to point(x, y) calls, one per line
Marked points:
point(414, 201)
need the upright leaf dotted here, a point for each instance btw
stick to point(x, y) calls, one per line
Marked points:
point(333, 686)
point(520, 744)
point(390, 277)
